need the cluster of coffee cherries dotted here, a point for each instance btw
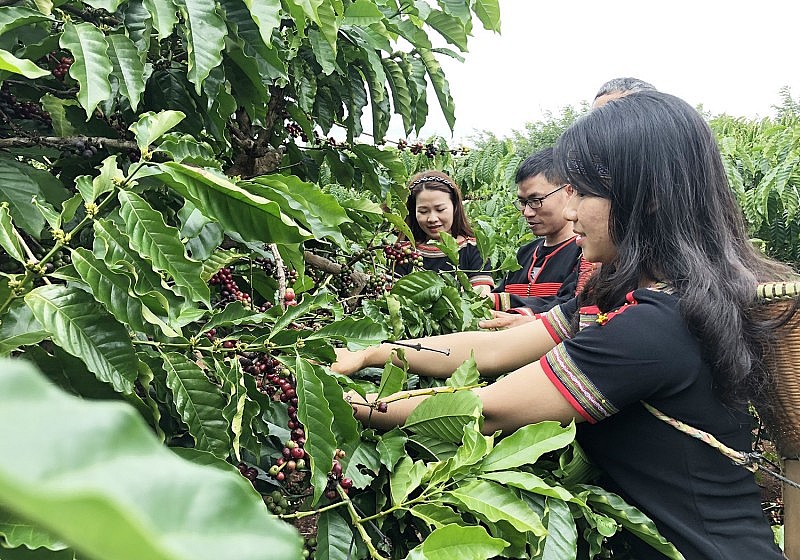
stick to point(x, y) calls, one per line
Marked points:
point(429, 149)
point(341, 283)
point(228, 289)
point(12, 108)
point(296, 131)
point(277, 502)
point(336, 478)
point(250, 473)
point(80, 148)
point(378, 284)
point(309, 546)
point(402, 253)
point(62, 66)
point(274, 382)
point(267, 370)
point(269, 268)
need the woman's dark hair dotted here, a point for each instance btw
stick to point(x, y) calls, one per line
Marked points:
point(674, 218)
point(436, 181)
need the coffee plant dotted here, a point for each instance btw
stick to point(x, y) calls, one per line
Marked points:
point(762, 160)
point(190, 224)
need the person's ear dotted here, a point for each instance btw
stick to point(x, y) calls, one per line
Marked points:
point(569, 189)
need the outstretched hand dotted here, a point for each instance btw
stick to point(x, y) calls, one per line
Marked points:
point(347, 362)
point(503, 320)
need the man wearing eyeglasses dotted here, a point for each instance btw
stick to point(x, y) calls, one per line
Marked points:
point(551, 264)
point(612, 89)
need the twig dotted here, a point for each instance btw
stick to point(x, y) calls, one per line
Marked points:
point(418, 347)
point(30, 254)
point(61, 93)
point(281, 276)
point(67, 141)
point(373, 552)
point(309, 513)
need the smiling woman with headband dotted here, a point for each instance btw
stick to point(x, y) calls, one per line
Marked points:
point(435, 205)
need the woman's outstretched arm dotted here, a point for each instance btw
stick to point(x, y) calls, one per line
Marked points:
point(496, 352)
point(523, 397)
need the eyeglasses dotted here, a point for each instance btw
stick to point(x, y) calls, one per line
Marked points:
point(534, 203)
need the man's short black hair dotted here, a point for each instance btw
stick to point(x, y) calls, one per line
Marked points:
point(540, 162)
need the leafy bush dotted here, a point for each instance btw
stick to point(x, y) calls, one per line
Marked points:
point(171, 242)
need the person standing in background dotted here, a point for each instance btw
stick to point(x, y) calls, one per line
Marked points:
point(551, 263)
point(435, 205)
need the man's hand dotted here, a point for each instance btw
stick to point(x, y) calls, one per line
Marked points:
point(503, 320)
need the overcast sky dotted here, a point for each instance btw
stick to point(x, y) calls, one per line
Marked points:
point(732, 57)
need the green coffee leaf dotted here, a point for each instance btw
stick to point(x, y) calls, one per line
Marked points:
point(19, 328)
point(465, 375)
point(11, 63)
point(128, 67)
point(498, 503)
point(12, 17)
point(488, 11)
point(456, 541)
point(392, 447)
point(527, 444)
point(91, 473)
point(562, 534)
point(160, 244)
point(92, 65)
point(630, 517)
point(84, 329)
point(357, 333)
point(362, 13)
point(18, 532)
point(530, 483)
point(253, 217)
point(405, 478)
point(205, 39)
point(200, 404)
point(151, 126)
point(8, 235)
point(164, 14)
point(335, 540)
point(435, 515)
point(445, 415)
point(314, 412)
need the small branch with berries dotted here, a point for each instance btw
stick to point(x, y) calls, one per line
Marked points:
point(328, 266)
point(383, 404)
point(67, 142)
point(316, 143)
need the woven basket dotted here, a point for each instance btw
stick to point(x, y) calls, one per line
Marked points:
point(783, 420)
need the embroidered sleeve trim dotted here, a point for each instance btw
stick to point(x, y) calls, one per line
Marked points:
point(503, 301)
point(482, 280)
point(557, 324)
point(584, 396)
point(564, 391)
point(522, 311)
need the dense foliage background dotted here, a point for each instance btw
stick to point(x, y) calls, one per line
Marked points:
point(191, 219)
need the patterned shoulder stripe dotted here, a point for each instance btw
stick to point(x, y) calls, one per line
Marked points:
point(557, 324)
point(583, 394)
